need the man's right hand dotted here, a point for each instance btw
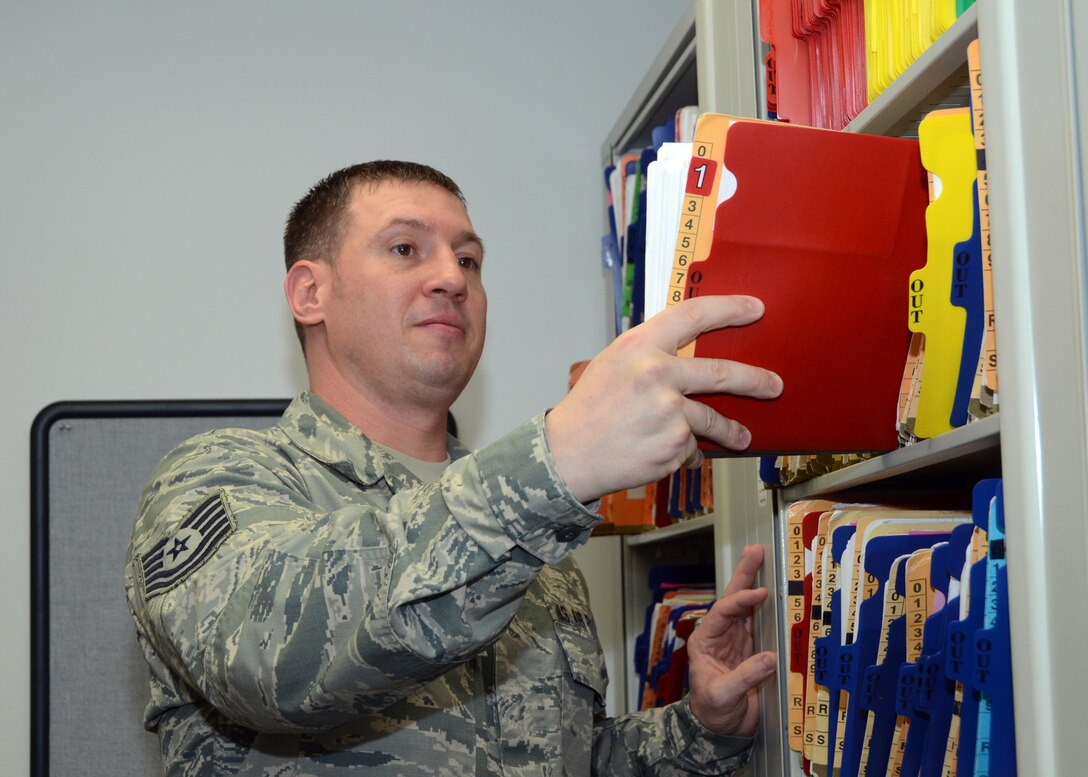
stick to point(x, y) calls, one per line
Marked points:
point(628, 420)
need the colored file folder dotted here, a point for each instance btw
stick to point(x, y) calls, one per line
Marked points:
point(829, 58)
point(938, 300)
point(825, 227)
point(905, 666)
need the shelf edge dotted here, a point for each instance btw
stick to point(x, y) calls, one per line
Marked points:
point(976, 436)
point(675, 531)
point(926, 73)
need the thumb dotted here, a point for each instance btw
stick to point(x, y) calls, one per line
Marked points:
point(757, 669)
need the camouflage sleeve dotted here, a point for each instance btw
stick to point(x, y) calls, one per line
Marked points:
point(297, 618)
point(666, 742)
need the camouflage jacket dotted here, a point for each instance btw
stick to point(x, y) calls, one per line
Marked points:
point(306, 607)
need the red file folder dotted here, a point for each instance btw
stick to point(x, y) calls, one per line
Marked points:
point(825, 227)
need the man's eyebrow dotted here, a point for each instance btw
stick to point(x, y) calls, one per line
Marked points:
point(471, 237)
point(403, 221)
point(467, 236)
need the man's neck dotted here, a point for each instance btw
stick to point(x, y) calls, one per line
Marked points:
point(417, 432)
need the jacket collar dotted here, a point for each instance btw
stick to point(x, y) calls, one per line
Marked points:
point(327, 436)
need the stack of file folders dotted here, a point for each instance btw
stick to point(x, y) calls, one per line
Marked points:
point(828, 59)
point(623, 248)
point(681, 595)
point(899, 650)
point(685, 494)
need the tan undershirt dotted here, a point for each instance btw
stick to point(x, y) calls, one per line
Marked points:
point(426, 471)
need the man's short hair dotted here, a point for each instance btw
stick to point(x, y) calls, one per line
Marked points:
point(318, 222)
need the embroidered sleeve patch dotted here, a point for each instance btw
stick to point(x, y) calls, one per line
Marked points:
point(179, 555)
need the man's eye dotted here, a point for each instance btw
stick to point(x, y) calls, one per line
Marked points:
point(404, 249)
point(468, 263)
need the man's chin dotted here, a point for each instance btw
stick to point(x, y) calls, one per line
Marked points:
point(448, 378)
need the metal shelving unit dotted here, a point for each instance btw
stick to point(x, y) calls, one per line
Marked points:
point(1035, 66)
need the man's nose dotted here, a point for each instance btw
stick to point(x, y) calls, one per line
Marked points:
point(447, 276)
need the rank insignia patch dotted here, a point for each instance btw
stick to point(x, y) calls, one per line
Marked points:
point(198, 537)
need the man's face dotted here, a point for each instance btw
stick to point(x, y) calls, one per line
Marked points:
point(407, 311)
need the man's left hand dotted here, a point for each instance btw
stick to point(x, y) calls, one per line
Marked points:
point(724, 674)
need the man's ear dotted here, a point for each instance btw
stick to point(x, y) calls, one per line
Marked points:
point(305, 287)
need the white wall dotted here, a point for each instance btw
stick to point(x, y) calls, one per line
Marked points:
point(149, 153)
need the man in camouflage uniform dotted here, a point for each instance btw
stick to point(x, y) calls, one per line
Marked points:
point(353, 591)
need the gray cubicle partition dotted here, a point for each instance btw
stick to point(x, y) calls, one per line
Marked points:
point(89, 461)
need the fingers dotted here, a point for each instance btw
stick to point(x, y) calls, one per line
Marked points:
point(730, 611)
point(724, 672)
point(716, 376)
point(720, 376)
point(680, 324)
point(728, 704)
point(694, 456)
point(705, 422)
point(753, 672)
point(747, 569)
point(628, 420)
